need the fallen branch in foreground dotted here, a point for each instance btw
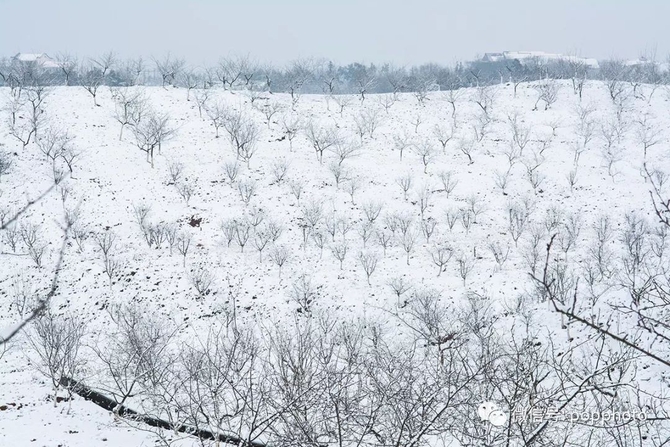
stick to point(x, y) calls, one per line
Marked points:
point(109, 404)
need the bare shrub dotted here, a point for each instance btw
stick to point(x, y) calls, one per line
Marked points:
point(339, 172)
point(201, 280)
point(5, 163)
point(547, 91)
point(247, 189)
point(175, 171)
point(352, 185)
point(296, 187)
point(185, 190)
point(304, 292)
point(279, 169)
point(499, 252)
point(232, 170)
point(372, 209)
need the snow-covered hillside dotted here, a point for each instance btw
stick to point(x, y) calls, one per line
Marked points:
point(473, 224)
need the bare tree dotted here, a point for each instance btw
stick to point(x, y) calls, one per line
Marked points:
point(321, 138)
point(466, 265)
point(201, 97)
point(217, 115)
point(368, 261)
point(247, 189)
point(261, 239)
point(648, 133)
point(467, 146)
point(5, 163)
point(279, 254)
point(296, 189)
point(152, 132)
point(614, 73)
point(243, 134)
point(547, 91)
point(94, 73)
point(183, 245)
point(339, 251)
point(189, 79)
point(353, 184)
point(270, 109)
point(185, 190)
point(202, 280)
point(452, 96)
point(443, 135)
point(499, 253)
point(169, 69)
point(402, 142)
point(386, 101)
point(232, 170)
point(297, 74)
point(407, 241)
point(130, 107)
point(56, 341)
point(400, 286)
point(344, 149)
point(291, 125)
point(339, 172)
point(342, 102)
point(405, 182)
point(67, 64)
point(426, 152)
point(441, 253)
point(578, 73)
point(502, 179)
point(521, 133)
point(33, 240)
point(484, 98)
point(518, 217)
point(132, 72)
point(53, 142)
point(372, 209)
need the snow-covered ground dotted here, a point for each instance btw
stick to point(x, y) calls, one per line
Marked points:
point(112, 176)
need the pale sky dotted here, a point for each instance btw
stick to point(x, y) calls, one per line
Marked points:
point(404, 32)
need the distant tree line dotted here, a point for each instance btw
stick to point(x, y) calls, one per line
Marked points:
point(319, 76)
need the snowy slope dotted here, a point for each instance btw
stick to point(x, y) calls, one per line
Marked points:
point(113, 175)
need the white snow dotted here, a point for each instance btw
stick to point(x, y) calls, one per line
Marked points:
point(113, 175)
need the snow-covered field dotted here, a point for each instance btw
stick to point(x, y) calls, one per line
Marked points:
point(112, 178)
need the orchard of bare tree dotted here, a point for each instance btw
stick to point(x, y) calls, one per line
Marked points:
point(322, 255)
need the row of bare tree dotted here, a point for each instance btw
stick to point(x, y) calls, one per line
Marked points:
point(414, 377)
point(322, 76)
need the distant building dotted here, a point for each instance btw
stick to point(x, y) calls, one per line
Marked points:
point(526, 56)
point(41, 59)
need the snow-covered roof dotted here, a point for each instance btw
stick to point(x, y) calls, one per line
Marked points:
point(523, 55)
point(41, 58)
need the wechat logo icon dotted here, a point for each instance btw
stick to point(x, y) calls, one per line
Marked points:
point(489, 411)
